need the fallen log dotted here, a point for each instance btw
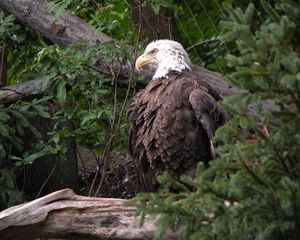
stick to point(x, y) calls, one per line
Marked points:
point(63, 214)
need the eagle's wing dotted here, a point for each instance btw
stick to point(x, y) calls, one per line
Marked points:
point(208, 112)
point(139, 155)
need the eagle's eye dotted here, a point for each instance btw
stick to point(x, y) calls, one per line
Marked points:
point(154, 51)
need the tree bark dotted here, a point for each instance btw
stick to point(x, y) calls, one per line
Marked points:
point(63, 214)
point(20, 91)
point(154, 26)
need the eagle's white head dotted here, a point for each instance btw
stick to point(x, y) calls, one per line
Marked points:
point(161, 57)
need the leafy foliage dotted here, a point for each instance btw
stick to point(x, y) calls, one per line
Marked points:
point(253, 190)
point(110, 17)
point(21, 44)
point(91, 105)
point(14, 123)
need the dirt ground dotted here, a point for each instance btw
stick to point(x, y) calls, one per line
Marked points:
point(120, 181)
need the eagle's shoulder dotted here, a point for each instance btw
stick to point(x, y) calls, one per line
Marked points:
point(197, 81)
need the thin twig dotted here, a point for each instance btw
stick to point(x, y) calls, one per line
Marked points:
point(46, 181)
point(94, 180)
point(99, 166)
point(96, 69)
point(202, 42)
point(80, 158)
point(99, 163)
point(103, 167)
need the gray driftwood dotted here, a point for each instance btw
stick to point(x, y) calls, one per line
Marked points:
point(63, 214)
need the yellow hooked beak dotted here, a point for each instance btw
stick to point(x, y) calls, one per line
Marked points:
point(143, 60)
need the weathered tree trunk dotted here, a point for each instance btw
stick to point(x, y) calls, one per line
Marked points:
point(154, 26)
point(63, 214)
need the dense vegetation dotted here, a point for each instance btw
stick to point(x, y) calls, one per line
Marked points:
point(253, 190)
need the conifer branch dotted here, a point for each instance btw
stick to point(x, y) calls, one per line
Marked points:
point(270, 10)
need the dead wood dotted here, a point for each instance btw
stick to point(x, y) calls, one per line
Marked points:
point(63, 214)
point(20, 91)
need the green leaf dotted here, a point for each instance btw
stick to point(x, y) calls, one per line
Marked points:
point(156, 7)
point(4, 117)
point(28, 159)
point(44, 99)
point(35, 132)
point(41, 111)
point(244, 122)
point(21, 118)
point(61, 94)
point(16, 142)
point(3, 130)
point(59, 6)
point(15, 158)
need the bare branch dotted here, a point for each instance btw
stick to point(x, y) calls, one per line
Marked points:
point(20, 91)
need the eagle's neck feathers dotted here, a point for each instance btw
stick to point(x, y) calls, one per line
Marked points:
point(176, 63)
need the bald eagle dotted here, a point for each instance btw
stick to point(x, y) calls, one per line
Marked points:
point(174, 118)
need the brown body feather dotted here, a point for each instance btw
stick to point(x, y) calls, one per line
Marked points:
point(173, 120)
